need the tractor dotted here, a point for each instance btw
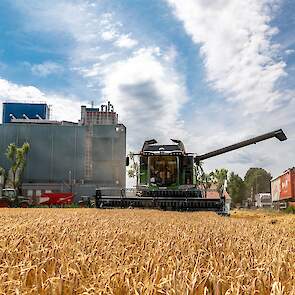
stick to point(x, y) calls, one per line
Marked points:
point(10, 198)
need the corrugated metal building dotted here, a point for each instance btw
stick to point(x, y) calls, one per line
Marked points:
point(67, 157)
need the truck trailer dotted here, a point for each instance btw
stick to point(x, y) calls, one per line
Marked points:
point(283, 189)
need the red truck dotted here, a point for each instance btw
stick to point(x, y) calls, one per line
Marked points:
point(288, 184)
point(283, 189)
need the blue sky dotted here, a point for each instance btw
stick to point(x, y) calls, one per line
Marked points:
point(208, 72)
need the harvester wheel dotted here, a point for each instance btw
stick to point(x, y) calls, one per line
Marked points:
point(24, 205)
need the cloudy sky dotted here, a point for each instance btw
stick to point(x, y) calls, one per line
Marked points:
point(210, 72)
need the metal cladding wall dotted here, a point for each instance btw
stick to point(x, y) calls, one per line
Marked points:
point(31, 110)
point(109, 154)
point(57, 153)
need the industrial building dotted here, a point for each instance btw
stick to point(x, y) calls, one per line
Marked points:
point(67, 156)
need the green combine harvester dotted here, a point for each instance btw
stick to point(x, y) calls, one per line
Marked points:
point(167, 178)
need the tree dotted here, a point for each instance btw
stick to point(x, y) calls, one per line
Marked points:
point(236, 188)
point(17, 156)
point(257, 180)
point(219, 176)
point(203, 180)
point(133, 171)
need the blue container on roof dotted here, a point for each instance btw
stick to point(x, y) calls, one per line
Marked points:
point(19, 110)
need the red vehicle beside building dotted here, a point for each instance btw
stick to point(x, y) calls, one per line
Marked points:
point(283, 189)
point(10, 198)
point(56, 199)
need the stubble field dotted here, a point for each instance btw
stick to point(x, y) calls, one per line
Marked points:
point(89, 251)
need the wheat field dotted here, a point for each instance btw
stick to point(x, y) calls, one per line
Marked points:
point(89, 251)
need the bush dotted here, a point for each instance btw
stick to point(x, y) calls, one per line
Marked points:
point(290, 209)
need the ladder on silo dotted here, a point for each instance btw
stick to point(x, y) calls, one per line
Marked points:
point(88, 164)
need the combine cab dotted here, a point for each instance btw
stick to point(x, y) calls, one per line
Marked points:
point(167, 178)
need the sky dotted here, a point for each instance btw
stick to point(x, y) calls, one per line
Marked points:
point(208, 72)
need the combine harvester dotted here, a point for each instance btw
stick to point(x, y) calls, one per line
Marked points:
point(167, 178)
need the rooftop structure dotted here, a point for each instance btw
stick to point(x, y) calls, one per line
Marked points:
point(13, 111)
point(105, 115)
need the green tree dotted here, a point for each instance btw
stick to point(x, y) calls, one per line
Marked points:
point(133, 171)
point(218, 177)
point(17, 156)
point(203, 180)
point(257, 180)
point(236, 188)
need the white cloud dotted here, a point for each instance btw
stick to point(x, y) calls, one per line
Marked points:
point(240, 58)
point(108, 35)
point(148, 95)
point(46, 68)
point(124, 41)
point(77, 18)
point(89, 28)
point(289, 51)
point(63, 108)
